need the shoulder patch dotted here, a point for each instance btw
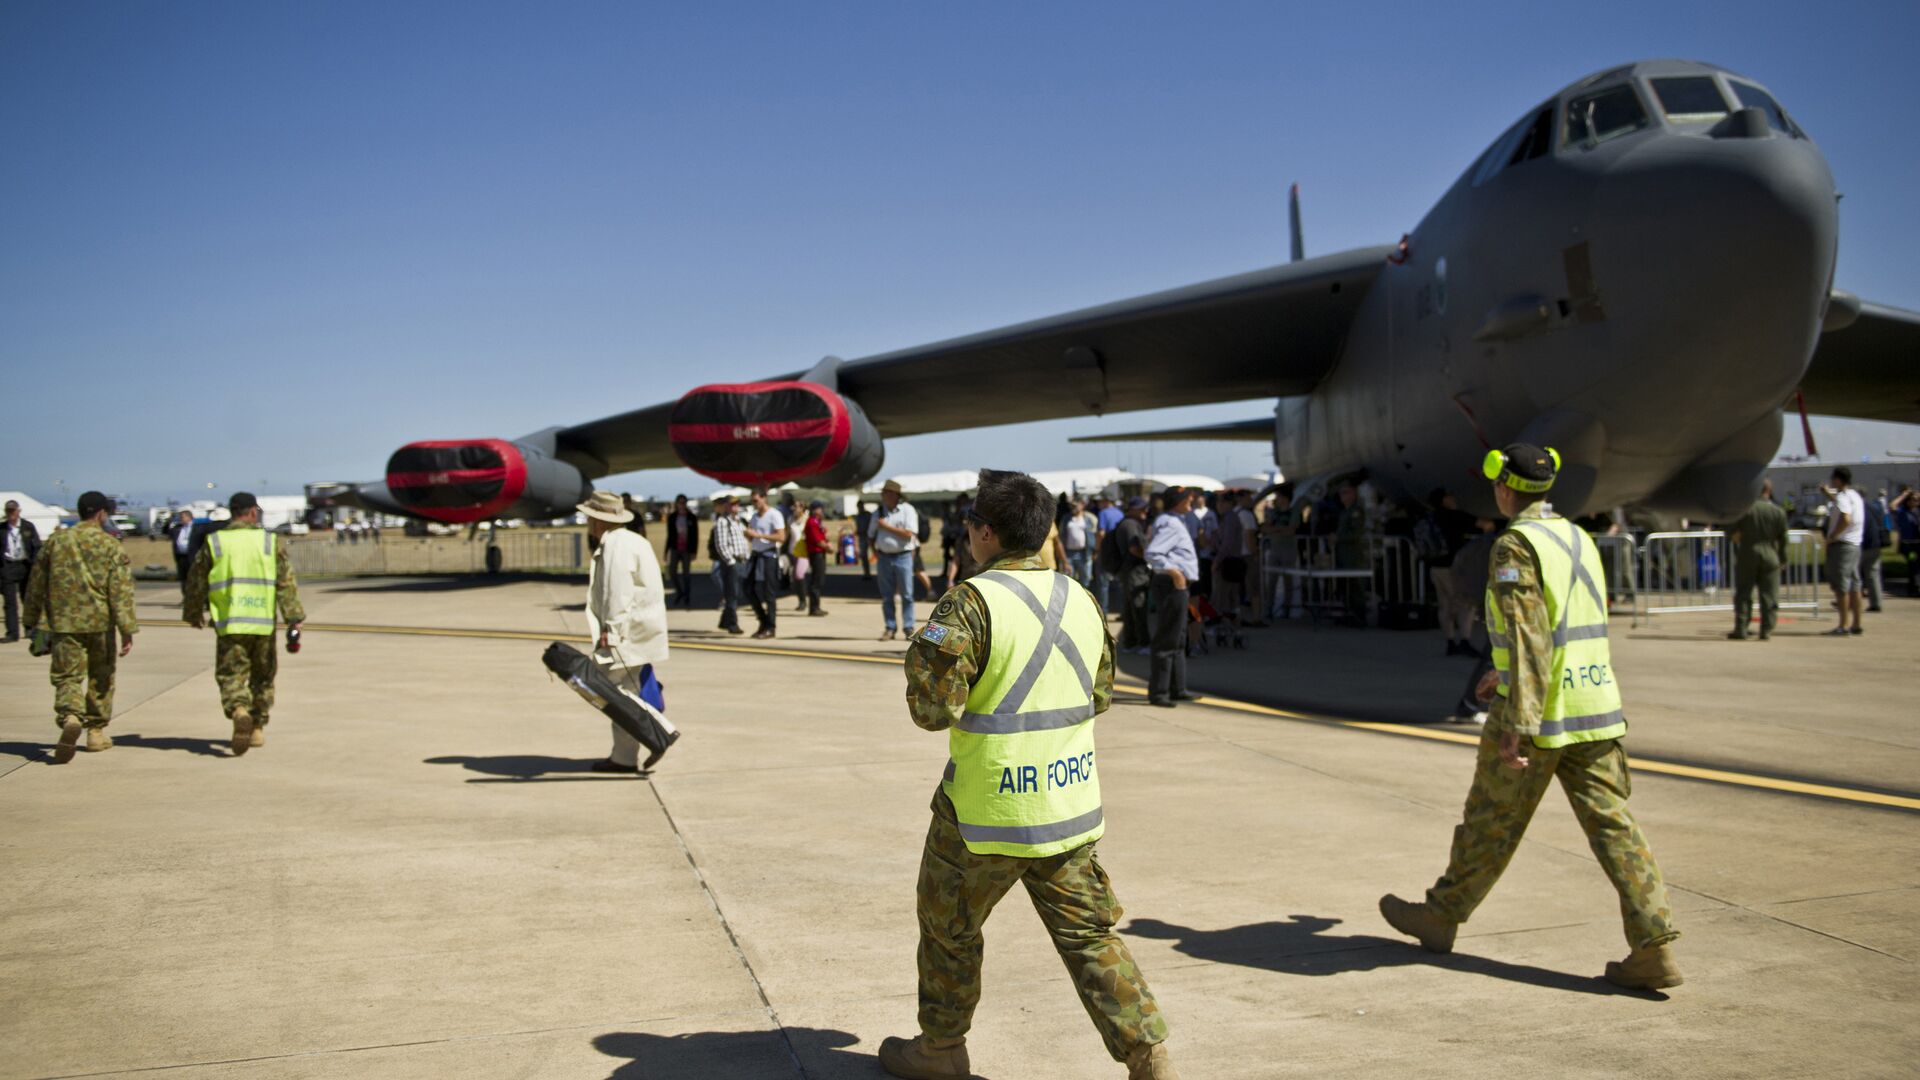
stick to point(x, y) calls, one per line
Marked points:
point(1507, 575)
point(934, 634)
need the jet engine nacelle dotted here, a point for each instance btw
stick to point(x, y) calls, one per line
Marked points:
point(761, 434)
point(460, 481)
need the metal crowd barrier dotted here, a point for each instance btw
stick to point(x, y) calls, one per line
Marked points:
point(521, 550)
point(1687, 572)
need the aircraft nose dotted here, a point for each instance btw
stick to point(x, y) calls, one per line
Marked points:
point(1721, 259)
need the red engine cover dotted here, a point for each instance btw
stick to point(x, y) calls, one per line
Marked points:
point(759, 434)
point(457, 481)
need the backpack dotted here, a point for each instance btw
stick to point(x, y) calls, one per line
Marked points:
point(1428, 539)
point(926, 528)
point(1109, 557)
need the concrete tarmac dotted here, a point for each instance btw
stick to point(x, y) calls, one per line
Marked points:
point(418, 877)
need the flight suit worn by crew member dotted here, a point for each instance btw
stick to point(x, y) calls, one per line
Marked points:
point(977, 645)
point(1760, 538)
point(1547, 622)
point(81, 591)
point(242, 577)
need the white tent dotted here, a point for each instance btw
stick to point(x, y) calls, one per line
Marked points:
point(1163, 481)
point(45, 518)
point(1084, 482)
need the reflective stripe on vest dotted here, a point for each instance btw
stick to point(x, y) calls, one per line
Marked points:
point(241, 583)
point(1583, 699)
point(1021, 774)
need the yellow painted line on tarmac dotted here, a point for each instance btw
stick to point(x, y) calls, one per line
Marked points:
point(1668, 768)
point(1410, 731)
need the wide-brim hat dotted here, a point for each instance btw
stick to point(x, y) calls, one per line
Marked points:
point(606, 506)
point(893, 486)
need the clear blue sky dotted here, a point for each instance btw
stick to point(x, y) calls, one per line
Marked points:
point(260, 244)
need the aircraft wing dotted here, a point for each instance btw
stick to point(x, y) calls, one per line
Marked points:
point(1268, 333)
point(1258, 429)
point(1869, 370)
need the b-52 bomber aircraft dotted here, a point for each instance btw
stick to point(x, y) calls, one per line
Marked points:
point(1639, 272)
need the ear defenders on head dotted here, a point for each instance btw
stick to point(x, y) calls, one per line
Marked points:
point(1496, 466)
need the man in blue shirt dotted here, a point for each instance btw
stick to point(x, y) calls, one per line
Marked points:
point(1175, 566)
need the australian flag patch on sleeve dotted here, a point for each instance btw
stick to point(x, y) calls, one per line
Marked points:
point(934, 634)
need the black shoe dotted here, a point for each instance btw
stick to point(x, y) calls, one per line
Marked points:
point(1186, 695)
point(608, 765)
point(1453, 649)
point(654, 758)
point(1857, 630)
point(1876, 607)
point(9, 639)
point(735, 630)
point(1162, 703)
point(816, 611)
point(1765, 634)
point(1739, 636)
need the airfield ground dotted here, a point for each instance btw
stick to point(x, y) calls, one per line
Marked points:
point(418, 877)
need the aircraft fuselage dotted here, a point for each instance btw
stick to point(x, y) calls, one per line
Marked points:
point(1644, 299)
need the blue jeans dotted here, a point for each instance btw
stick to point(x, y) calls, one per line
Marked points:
point(1080, 565)
point(896, 576)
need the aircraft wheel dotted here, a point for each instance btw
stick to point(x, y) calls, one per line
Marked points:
point(495, 558)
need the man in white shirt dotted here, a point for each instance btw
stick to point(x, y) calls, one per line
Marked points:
point(1176, 567)
point(767, 528)
point(627, 619)
point(1846, 527)
point(895, 530)
point(1079, 534)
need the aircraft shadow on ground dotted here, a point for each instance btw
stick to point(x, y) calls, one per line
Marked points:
point(1302, 946)
point(705, 1054)
point(460, 583)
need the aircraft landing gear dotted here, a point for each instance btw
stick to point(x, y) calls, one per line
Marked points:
point(495, 558)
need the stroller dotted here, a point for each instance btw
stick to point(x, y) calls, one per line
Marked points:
point(1206, 627)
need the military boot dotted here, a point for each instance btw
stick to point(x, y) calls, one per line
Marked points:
point(242, 732)
point(1151, 1063)
point(1649, 967)
point(259, 737)
point(1419, 921)
point(922, 1058)
point(69, 735)
point(98, 740)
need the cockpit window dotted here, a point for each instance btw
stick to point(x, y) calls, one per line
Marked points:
point(1694, 99)
point(1607, 114)
point(1756, 98)
point(1526, 140)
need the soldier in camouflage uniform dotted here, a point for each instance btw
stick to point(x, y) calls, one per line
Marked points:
point(1512, 772)
point(958, 887)
point(244, 665)
point(81, 591)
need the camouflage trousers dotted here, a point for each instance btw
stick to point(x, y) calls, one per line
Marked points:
point(243, 667)
point(82, 676)
point(1501, 803)
point(957, 892)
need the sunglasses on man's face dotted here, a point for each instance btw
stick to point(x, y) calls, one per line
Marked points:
point(974, 518)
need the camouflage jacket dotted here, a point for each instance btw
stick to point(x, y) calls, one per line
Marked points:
point(82, 583)
point(1514, 571)
point(286, 594)
point(940, 676)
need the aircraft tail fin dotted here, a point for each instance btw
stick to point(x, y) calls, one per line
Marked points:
point(1293, 223)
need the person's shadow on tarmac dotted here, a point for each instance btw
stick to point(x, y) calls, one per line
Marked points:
point(527, 768)
point(747, 1055)
point(1301, 946)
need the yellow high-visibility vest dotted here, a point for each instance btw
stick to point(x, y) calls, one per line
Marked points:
point(240, 585)
point(1583, 698)
point(1022, 776)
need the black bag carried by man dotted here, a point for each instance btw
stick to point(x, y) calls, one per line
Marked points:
point(591, 681)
